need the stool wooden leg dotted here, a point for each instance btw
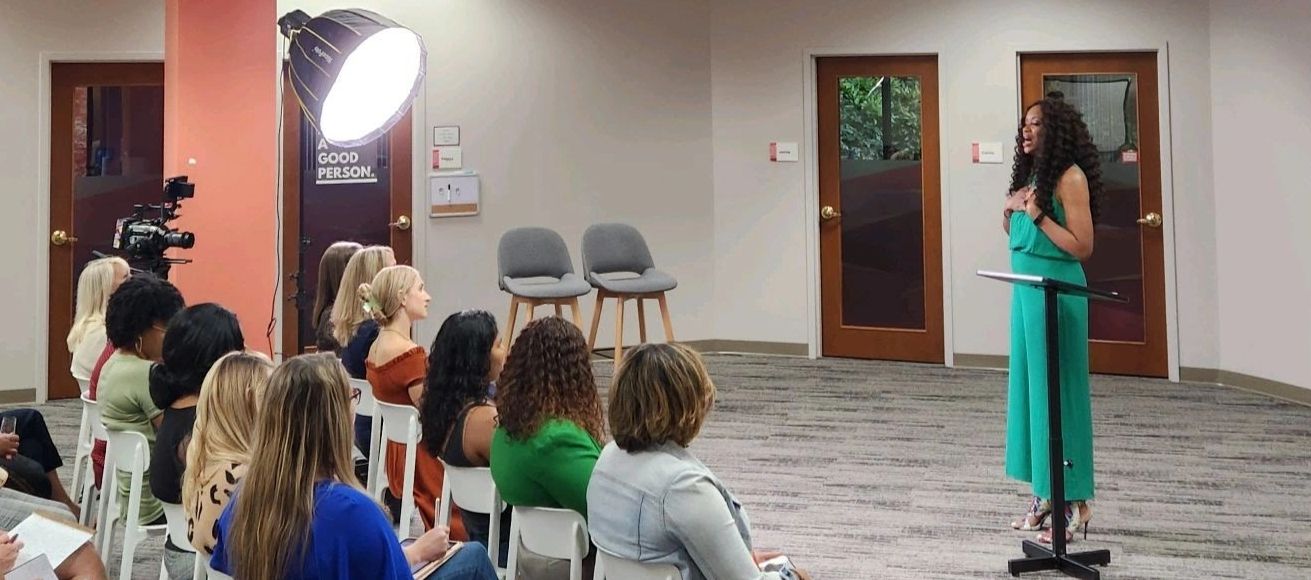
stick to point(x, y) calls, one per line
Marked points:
point(558, 312)
point(532, 308)
point(514, 312)
point(641, 320)
point(619, 330)
point(596, 319)
point(664, 313)
point(578, 316)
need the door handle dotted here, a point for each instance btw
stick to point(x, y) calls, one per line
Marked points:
point(61, 238)
point(402, 223)
point(1151, 220)
point(827, 213)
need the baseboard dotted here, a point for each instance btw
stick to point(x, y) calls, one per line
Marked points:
point(1253, 384)
point(17, 396)
point(750, 347)
point(982, 361)
point(1199, 375)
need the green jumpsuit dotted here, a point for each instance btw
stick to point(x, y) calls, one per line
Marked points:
point(1032, 252)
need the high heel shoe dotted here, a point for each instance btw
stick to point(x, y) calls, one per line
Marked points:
point(1039, 511)
point(1077, 516)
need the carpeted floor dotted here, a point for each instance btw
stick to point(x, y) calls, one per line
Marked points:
point(884, 470)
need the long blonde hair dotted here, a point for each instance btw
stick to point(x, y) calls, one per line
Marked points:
point(94, 286)
point(303, 437)
point(347, 311)
point(225, 417)
point(382, 296)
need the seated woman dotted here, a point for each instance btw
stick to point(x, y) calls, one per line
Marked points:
point(352, 327)
point(30, 459)
point(82, 564)
point(135, 323)
point(650, 499)
point(86, 338)
point(396, 370)
point(196, 337)
point(331, 268)
point(220, 448)
point(457, 417)
point(300, 512)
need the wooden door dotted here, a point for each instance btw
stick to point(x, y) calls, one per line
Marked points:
point(106, 154)
point(1117, 95)
point(365, 200)
point(880, 199)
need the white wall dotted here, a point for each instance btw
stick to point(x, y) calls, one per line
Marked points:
point(761, 228)
point(1261, 87)
point(27, 29)
point(574, 112)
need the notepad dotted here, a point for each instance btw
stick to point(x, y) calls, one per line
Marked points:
point(45, 535)
point(425, 569)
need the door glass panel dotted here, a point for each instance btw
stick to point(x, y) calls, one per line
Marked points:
point(345, 195)
point(882, 202)
point(1109, 104)
point(118, 161)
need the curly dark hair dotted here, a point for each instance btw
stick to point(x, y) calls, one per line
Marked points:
point(1064, 141)
point(196, 338)
point(141, 302)
point(458, 364)
point(548, 375)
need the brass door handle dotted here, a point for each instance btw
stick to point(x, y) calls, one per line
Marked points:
point(402, 223)
point(1151, 220)
point(61, 238)
point(827, 213)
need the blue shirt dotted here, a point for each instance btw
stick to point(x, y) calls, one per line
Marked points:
point(355, 351)
point(349, 538)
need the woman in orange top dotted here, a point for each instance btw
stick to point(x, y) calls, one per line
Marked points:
point(396, 368)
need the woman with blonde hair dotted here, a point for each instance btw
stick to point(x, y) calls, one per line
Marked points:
point(86, 339)
point(220, 443)
point(300, 511)
point(352, 327)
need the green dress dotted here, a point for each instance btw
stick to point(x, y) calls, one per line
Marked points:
point(1032, 252)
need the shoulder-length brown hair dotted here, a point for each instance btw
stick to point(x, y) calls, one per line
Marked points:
point(548, 375)
point(331, 267)
point(661, 393)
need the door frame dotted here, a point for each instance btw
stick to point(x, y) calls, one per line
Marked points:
point(45, 59)
point(947, 137)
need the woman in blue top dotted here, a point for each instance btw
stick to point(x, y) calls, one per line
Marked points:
point(300, 512)
point(1049, 215)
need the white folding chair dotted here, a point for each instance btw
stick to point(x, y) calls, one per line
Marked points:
point(472, 489)
point(611, 566)
point(400, 423)
point(368, 408)
point(86, 490)
point(84, 442)
point(177, 534)
point(551, 532)
point(128, 451)
point(205, 572)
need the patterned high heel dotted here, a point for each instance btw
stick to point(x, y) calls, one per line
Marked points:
point(1077, 516)
point(1039, 511)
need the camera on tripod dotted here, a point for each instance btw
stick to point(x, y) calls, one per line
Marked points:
point(145, 239)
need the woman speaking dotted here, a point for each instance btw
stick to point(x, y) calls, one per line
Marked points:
point(1049, 215)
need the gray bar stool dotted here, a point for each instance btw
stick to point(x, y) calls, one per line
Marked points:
point(619, 265)
point(535, 269)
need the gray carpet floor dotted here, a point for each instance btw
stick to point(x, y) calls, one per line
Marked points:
point(884, 470)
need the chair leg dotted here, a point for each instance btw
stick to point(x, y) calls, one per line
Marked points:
point(596, 319)
point(664, 314)
point(641, 320)
point(532, 308)
point(619, 330)
point(509, 329)
point(578, 317)
point(558, 311)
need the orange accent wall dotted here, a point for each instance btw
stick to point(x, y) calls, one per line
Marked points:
point(220, 82)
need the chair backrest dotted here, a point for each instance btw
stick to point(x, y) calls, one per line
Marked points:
point(91, 411)
point(609, 248)
point(367, 402)
point(129, 451)
point(400, 423)
point(206, 571)
point(552, 532)
point(177, 526)
point(532, 252)
point(615, 568)
point(472, 489)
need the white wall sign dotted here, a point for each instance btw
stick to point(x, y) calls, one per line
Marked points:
point(988, 152)
point(783, 151)
point(453, 194)
point(447, 157)
point(335, 165)
point(443, 136)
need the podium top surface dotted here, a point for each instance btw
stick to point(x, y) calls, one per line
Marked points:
point(1059, 285)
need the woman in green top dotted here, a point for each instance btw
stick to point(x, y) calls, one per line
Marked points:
point(1049, 215)
point(135, 321)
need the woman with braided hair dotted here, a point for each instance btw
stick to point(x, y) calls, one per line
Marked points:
point(1049, 215)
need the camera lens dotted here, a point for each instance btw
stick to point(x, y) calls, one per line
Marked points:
point(183, 240)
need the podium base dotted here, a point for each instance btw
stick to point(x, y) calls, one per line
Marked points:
point(1040, 557)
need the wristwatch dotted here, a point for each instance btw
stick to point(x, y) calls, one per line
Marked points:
point(1042, 215)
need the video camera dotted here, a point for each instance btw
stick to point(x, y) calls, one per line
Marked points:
point(145, 239)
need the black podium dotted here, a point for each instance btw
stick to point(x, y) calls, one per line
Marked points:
point(1037, 556)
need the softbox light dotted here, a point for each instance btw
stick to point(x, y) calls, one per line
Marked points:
point(355, 72)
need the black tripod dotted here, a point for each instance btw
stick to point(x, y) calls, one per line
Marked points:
point(1037, 556)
